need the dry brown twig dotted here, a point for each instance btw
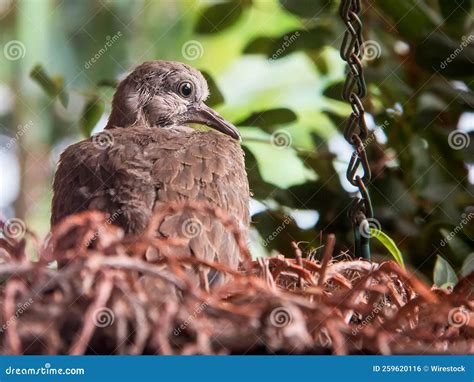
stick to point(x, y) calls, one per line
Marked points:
point(109, 299)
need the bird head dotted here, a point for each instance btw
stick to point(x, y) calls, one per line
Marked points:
point(165, 94)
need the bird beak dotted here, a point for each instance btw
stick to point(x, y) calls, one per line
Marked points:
point(203, 114)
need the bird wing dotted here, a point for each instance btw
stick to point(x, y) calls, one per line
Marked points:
point(109, 173)
point(139, 170)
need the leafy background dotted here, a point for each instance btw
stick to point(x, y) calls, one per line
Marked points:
point(273, 67)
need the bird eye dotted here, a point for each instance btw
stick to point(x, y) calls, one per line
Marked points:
point(185, 89)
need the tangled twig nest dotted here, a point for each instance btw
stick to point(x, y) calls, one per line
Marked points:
point(107, 298)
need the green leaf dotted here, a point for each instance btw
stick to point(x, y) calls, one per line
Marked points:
point(321, 62)
point(220, 16)
point(455, 13)
point(312, 39)
point(443, 273)
point(306, 8)
point(334, 91)
point(91, 114)
point(278, 164)
point(215, 95)
point(107, 83)
point(457, 245)
point(469, 155)
point(260, 45)
point(468, 265)
point(338, 120)
point(53, 87)
point(389, 244)
point(439, 53)
point(308, 40)
point(63, 96)
point(39, 75)
point(261, 189)
point(269, 118)
point(410, 17)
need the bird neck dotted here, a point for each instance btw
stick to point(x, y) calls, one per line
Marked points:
point(124, 115)
point(127, 107)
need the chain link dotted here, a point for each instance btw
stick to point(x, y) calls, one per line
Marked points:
point(352, 51)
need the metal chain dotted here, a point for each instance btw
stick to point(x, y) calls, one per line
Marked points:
point(352, 51)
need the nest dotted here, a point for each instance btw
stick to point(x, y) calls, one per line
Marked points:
point(109, 297)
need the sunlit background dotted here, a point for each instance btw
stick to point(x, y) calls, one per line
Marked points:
point(277, 57)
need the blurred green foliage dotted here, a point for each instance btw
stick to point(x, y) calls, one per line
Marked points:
point(274, 67)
